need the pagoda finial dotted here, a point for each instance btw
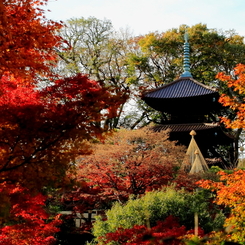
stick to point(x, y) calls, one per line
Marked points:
point(186, 36)
point(186, 72)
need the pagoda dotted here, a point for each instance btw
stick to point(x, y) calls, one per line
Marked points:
point(186, 105)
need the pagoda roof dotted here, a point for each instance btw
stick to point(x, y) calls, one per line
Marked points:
point(197, 127)
point(185, 127)
point(184, 87)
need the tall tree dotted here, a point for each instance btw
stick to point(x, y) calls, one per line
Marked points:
point(94, 48)
point(211, 51)
point(132, 64)
point(42, 129)
point(27, 39)
point(159, 57)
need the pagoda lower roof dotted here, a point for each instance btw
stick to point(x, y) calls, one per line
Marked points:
point(188, 127)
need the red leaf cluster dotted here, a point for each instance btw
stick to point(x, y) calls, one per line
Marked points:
point(47, 128)
point(27, 38)
point(165, 232)
point(23, 219)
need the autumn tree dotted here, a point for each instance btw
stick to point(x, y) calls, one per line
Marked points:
point(127, 164)
point(42, 128)
point(27, 39)
point(48, 128)
point(229, 193)
point(233, 99)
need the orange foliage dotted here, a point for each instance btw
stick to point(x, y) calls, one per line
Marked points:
point(128, 163)
point(234, 102)
point(230, 192)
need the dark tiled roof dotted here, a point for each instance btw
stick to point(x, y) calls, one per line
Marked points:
point(180, 88)
point(185, 127)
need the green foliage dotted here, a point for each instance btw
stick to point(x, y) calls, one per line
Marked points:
point(211, 51)
point(158, 205)
point(132, 64)
point(215, 169)
point(93, 47)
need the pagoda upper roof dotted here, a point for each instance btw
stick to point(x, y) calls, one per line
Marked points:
point(183, 87)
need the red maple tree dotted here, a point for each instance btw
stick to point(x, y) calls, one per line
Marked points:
point(30, 222)
point(27, 39)
point(129, 163)
point(49, 128)
point(42, 132)
point(42, 128)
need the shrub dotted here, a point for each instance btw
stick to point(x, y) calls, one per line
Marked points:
point(157, 206)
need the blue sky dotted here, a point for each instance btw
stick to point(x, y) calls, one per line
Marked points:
point(144, 16)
